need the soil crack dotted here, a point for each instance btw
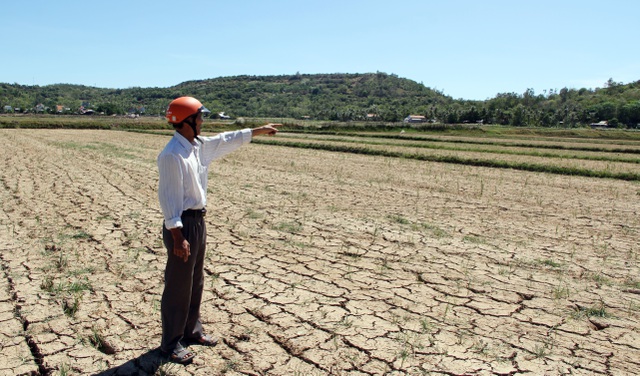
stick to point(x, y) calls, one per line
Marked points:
point(36, 353)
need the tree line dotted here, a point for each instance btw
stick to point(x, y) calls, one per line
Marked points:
point(344, 97)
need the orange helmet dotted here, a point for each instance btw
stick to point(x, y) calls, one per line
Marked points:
point(181, 108)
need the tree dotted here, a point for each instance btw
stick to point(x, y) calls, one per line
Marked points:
point(471, 115)
point(611, 83)
point(109, 109)
point(519, 116)
point(629, 114)
point(606, 111)
point(564, 94)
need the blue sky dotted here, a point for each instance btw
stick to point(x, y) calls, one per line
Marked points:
point(467, 49)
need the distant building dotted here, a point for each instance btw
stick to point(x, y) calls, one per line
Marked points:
point(223, 116)
point(85, 111)
point(61, 109)
point(8, 109)
point(600, 124)
point(415, 119)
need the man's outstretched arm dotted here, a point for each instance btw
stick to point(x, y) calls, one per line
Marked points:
point(269, 130)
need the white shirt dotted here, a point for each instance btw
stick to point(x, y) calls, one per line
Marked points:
point(184, 169)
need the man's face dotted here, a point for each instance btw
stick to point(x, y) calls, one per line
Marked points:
point(199, 121)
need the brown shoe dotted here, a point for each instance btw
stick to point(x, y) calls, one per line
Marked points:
point(181, 355)
point(204, 340)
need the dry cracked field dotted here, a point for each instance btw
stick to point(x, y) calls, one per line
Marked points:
point(319, 263)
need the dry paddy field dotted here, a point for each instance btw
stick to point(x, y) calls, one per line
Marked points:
point(326, 262)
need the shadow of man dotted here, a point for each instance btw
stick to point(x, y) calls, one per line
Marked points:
point(146, 364)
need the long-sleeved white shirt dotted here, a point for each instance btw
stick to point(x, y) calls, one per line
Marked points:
point(184, 169)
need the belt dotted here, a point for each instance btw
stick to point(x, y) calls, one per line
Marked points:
point(196, 213)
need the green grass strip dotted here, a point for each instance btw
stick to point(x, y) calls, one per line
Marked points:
point(435, 146)
point(456, 160)
point(482, 142)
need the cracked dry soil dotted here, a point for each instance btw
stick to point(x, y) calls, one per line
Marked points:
point(318, 264)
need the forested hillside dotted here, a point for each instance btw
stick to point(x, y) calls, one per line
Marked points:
point(372, 96)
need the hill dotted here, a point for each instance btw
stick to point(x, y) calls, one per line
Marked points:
point(322, 96)
point(345, 97)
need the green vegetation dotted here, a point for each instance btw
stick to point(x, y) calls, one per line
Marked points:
point(597, 310)
point(378, 97)
point(528, 149)
point(598, 153)
point(456, 159)
point(290, 227)
point(97, 340)
point(549, 262)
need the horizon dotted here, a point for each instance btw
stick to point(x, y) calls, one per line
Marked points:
point(463, 49)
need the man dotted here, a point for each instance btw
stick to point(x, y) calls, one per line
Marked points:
point(183, 169)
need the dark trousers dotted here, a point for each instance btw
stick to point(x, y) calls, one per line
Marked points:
point(183, 285)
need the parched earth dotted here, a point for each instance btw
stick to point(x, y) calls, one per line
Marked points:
point(318, 263)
